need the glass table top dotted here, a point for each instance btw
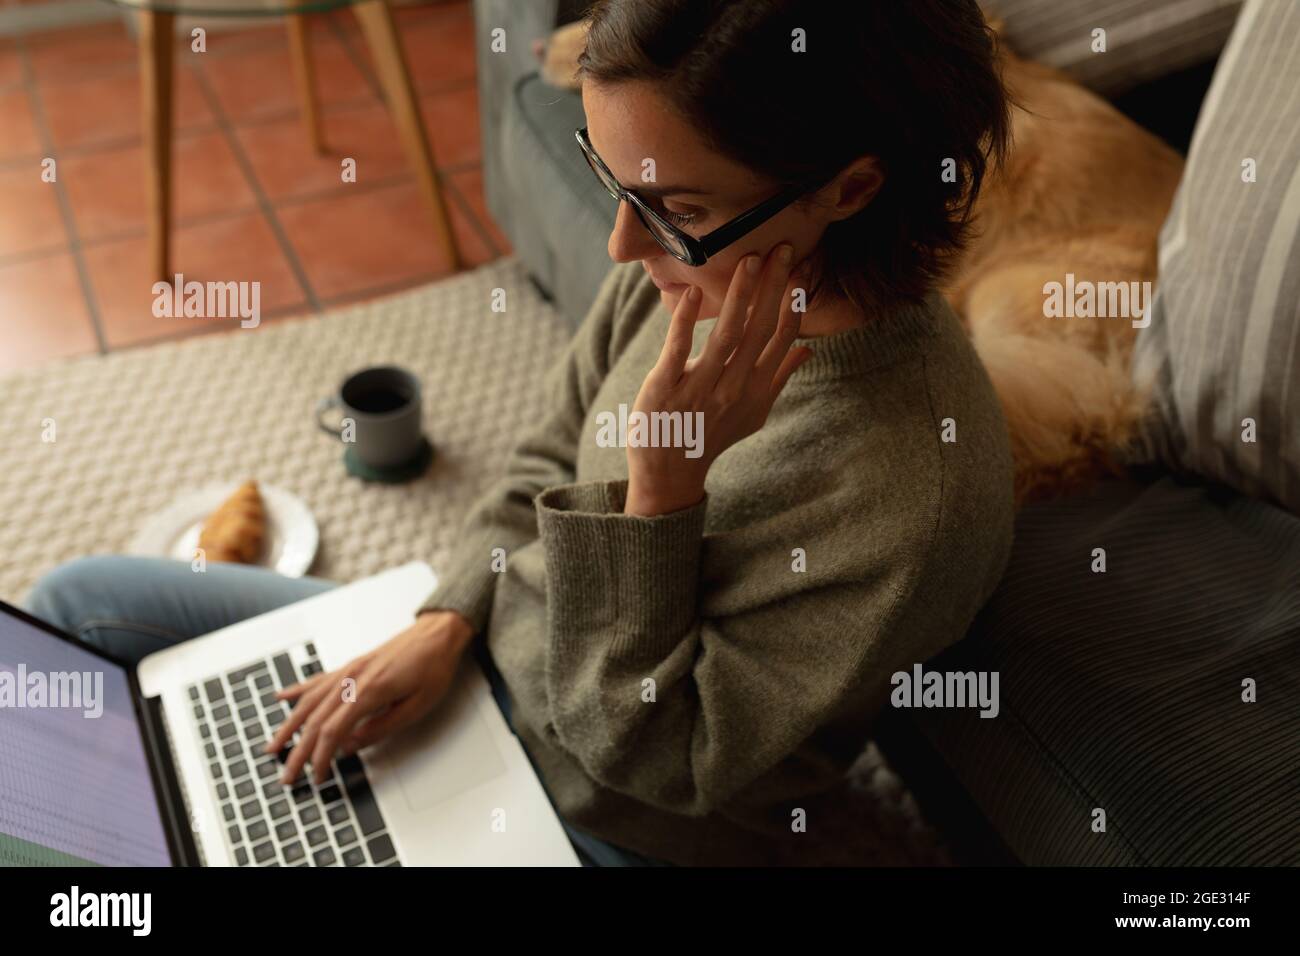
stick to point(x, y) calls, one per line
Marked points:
point(234, 8)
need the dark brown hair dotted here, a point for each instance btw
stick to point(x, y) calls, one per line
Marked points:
point(911, 82)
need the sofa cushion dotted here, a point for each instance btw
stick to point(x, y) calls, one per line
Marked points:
point(1123, 690)
point(1144, 38)
point(563, 217)
point(1223, 345)
point(498, 71)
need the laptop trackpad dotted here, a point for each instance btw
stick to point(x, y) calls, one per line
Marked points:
point(447, 753)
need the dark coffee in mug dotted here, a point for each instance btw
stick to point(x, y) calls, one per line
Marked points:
point(377, 401)
point(380, 409)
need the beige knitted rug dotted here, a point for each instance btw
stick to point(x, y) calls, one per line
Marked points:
point(134, 429)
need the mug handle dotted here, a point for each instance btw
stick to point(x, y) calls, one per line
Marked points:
point(324, 405)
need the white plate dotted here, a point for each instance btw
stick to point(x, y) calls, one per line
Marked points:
point(291, 534)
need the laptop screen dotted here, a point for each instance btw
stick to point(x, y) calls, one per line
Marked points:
point(75, 787)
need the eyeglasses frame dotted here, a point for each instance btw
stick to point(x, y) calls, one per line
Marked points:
point(700, 249)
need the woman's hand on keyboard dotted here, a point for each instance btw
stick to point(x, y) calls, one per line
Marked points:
point(373, 696)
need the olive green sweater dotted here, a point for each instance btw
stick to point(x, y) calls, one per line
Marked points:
point(693, 686)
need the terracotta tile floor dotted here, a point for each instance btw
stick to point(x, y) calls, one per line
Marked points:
point(251, 200)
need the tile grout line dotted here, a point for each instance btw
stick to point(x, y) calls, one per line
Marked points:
point(263, 203)
point(74, 247)
point(194, 222)
point(442, 174)
point(360, 62)
point(350, 299)
point(253, 122)
point(468, 211)
point(294, 313)
point(288, 202)
point(223, 124)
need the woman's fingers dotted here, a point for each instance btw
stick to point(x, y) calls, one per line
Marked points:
point(778, 345)
point(333, 730)
point(730, 327)
point(307, 698)
point(305, 747)
point(313, 709)
point(380, 725)
point(294, 691)
point(763, 319)
point(681, 335)
point(299, 752)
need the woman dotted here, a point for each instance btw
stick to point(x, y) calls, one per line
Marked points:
point(693, 641)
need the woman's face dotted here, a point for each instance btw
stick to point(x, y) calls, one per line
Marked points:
point(695, 188)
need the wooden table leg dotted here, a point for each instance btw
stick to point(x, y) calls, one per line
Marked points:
point(156, 45)
point(305, 74)
point(385, 48)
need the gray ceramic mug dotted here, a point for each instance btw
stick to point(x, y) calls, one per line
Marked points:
point(384, 405)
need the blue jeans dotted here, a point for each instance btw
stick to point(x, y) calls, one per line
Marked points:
point(132, 606)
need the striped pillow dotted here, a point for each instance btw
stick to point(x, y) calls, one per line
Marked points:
point(1145, 39)
point(1223, 345)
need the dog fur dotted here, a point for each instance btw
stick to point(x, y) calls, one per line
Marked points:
point(1085, 191)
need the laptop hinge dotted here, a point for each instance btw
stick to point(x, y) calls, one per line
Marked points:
point(180, 835)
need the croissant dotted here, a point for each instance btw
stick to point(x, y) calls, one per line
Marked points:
point(237, 529)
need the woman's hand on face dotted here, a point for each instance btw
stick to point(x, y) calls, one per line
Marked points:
point(733, 383)
point(390, 688)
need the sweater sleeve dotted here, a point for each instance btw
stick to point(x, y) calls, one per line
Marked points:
point(683, 710)
point(504, 516)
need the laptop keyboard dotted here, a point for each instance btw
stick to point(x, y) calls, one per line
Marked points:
point(266, 823)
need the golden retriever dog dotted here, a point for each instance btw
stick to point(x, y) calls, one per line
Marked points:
point(1063, 232)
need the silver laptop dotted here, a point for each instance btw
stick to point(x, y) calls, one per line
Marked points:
point(161, 764)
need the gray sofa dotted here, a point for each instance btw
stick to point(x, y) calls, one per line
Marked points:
point(538, 187)
point(1120, 692)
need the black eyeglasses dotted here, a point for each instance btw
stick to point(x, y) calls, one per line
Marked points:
point(692, 251)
